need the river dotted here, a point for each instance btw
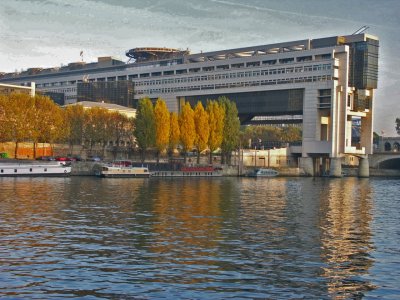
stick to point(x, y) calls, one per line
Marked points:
point(199, 238)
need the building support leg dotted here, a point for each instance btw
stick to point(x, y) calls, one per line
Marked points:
point(335, 169)
point(363, 167)
point(306, 163)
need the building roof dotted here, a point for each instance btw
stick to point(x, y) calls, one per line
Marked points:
point(130, 112)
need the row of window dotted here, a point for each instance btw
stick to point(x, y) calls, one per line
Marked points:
point(295, 69)
point(299, 69)
point(16, 170)
point(167, 90)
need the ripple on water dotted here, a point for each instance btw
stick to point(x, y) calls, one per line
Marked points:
point(198, 238)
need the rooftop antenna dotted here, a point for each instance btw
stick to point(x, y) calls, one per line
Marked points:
point(360, 30)
point(81, 55)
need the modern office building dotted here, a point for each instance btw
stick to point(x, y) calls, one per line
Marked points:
point(324, 84)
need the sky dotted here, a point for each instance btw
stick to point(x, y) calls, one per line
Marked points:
point(49, 33)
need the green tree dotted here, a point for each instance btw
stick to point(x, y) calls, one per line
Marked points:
point(187, 128)
point(162, 124)
point(291, 134)
point(398, 125)
point(230, 139)
point(174, 132)
point(216, 116)
point(202, 129)
point(145, 126)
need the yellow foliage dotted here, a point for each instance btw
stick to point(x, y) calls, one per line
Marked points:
point(162, 122)
point(187, 127)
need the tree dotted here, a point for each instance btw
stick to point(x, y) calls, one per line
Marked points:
point(119, 126)
point(291, 134)
point(5, 132)
point(216, 116)
point(162, 125)
point(144, 126)
point(47, 121)
point(398, 125)
point(231, 131)
point(174, 132)
point(20, 113)
point(187, 128)
point(202, 129)
point(74, 125)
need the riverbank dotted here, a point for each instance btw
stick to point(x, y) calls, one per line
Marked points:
point(90, 168)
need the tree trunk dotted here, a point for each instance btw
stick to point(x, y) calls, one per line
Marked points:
point(34, 150)
point(210, 161)
point(198, 156)
point(16, 150)
point(142, 155)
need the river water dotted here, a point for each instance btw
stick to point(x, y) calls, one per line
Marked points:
point(199, 238)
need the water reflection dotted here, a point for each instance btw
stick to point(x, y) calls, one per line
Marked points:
point(185, 238)
point(346, 236)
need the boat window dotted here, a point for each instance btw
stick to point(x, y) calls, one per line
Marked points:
point(30, 169)
point(45, 169)
point(2, 171)
point(15, 170)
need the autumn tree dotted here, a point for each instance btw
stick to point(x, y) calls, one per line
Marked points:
point(5, 133)
point(230, 139)
point(117, 125)
point(202, 129)
point(20, 112)
point(47, 121)
point(74, 120)
point(216, 116)
point(96, 130)
point(162, 126)
point(187, 128)
point(145, 126)
point(174, 132)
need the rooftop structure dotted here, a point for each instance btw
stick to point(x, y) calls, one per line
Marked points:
point(154, 53)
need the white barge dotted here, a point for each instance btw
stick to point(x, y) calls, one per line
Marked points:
point(123, 172)
point(19, 169)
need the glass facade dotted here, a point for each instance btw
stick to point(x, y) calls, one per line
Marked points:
point(364, 64)
point(116, 92)
point(265, 103)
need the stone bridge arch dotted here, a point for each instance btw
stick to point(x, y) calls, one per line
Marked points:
point(385, 160)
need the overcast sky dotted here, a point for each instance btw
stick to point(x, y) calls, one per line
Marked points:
point(47, 33)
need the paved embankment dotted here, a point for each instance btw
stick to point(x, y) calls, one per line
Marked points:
point(90, 168)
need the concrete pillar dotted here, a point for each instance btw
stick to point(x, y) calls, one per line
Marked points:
point(363, 167)
point(335, 169)
point(306, 163)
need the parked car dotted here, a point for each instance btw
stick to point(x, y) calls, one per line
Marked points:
point(94, 158)
point(62, 158)
point(74, 157)
point(46, 158)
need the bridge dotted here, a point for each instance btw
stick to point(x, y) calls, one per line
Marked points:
point(387, 154)
point(385, 160)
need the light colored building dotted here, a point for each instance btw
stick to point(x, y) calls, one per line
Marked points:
point(324, 84)
point(129, 112)
point(6, 89)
